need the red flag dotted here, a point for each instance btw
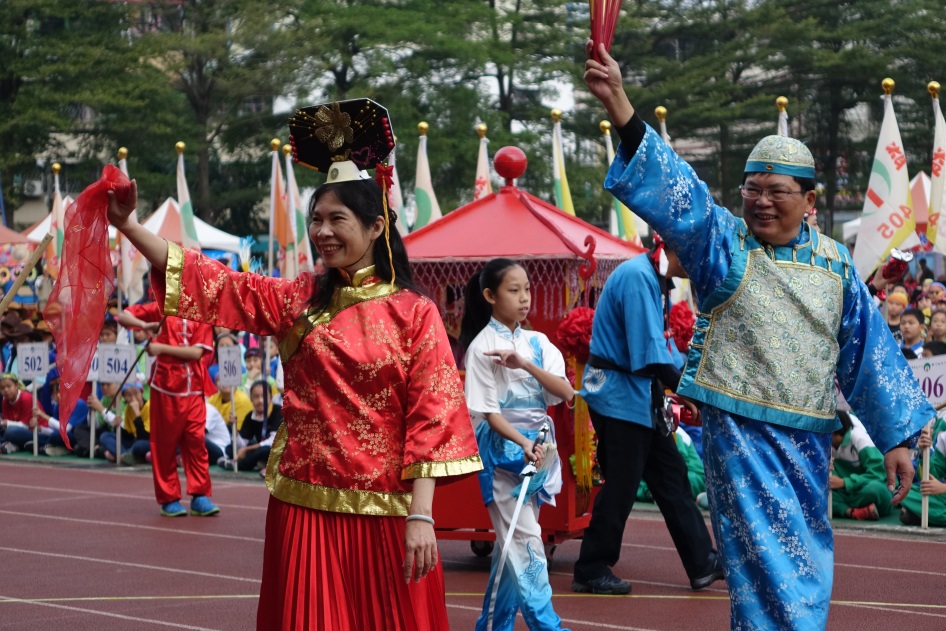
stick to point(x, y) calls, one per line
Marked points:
point(86, 280)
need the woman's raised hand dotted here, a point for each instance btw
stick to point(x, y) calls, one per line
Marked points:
point(119, 210)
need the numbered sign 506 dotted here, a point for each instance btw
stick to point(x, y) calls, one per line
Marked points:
point(32, 360)
point(930, 372)
point(230, 367)
point(115, 361)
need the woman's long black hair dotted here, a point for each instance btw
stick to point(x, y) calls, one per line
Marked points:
point(363, 197)
point(476, 310)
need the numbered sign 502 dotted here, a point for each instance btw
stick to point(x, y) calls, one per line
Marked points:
point(32, 360)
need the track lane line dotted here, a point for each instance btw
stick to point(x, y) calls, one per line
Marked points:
point(72, 609)
point(143, 496)
point(113, 524)
point(588, 623)
point(143, 566)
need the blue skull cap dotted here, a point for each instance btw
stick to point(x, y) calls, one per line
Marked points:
point(782, 155)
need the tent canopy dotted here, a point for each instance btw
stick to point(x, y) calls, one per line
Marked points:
point(8, 237)
point(37, 231)
point(512, 223)
point(164, 222)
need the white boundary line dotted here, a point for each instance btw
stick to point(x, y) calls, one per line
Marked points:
point(889, 569)
point(107, 614)
point(915, 612)
point(587, 623)
point(113, 524)
point(142, 566)
point(67, 494)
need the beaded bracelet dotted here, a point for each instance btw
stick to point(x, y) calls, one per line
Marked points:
point(429, 520)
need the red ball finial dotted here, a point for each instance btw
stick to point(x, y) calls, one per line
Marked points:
point(510, 163)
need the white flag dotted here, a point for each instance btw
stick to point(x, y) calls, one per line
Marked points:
point(783, 123)
point(395, 196)
point(301, 232)
point(887, 221)
point(937, 221)
point(624, 223)
point(482, 188)
point(428, 210)
point(131, 266)
point(188, 229)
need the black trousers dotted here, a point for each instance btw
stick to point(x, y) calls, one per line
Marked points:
point(627, 453)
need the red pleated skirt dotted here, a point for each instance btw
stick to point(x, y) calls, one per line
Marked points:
point(339, 572)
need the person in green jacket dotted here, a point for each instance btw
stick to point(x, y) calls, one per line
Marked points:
point(858, 480)
point(935, 487)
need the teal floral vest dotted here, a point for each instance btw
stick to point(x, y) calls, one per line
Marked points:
point(765, 341)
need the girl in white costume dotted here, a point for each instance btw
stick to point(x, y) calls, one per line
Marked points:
point(512, 376)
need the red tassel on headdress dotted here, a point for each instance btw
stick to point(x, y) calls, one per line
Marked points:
point(384, 176)
point(659, 247)
point(86, 280)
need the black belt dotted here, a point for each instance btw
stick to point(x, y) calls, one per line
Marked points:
point(600, 362)
point(656, 388)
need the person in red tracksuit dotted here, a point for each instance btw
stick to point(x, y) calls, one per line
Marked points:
point(179, 382)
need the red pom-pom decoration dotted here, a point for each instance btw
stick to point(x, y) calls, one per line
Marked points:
point(574, 333)
point(681, 325)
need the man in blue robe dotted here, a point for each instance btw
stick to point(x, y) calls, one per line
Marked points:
point(782, 314)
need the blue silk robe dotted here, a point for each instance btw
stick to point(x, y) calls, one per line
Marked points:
point(767, 442)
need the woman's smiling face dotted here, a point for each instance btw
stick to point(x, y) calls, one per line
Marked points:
point(341, 239)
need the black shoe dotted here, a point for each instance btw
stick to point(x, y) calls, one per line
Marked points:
point(909, 519)
point(716, 573)
point(607, 584)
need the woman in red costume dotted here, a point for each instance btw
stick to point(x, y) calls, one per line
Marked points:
point(373, 404)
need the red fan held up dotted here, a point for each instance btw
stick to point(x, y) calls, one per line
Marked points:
point(86, 280)
point(604, 20)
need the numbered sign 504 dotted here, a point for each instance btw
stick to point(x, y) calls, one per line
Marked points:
point(230, 367)
point(115, 361)
point(32, 360)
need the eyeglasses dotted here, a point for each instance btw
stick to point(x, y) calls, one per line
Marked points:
point(774, 194)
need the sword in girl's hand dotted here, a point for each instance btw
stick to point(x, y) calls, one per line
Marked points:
point(527, 473)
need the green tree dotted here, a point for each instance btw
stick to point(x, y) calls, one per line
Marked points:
point(61, 62)
point(833, 57)
point(451, 63)
point(227, 61)
point(703, 62)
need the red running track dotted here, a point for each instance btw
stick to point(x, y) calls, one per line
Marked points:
point(84, 548)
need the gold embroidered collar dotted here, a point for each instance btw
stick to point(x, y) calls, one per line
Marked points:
point(363, 285)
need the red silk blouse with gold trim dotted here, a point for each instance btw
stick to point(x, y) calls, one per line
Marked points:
point(372, 395)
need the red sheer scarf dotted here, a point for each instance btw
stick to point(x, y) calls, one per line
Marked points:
point(86, 280)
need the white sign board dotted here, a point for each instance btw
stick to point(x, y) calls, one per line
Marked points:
point(115, 361)
point(94, 368)
point(230, 373)
point(32, 360)
point(931, 373)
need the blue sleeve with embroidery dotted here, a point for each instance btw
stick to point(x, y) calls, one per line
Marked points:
point(873, 374)
point(662, 189)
